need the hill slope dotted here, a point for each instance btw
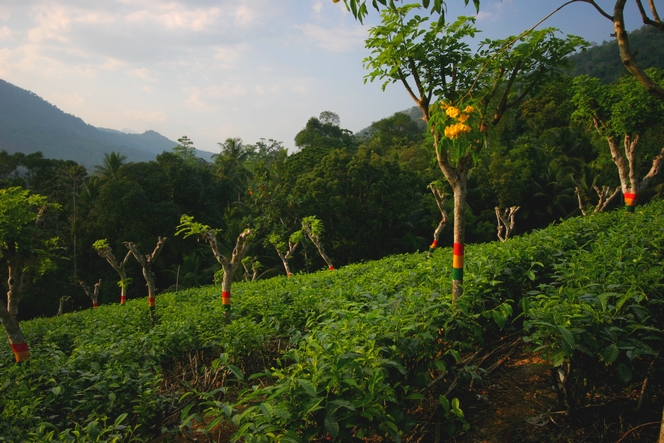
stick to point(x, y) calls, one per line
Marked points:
point(29, 124)
point(603, 61)
point(376, 348)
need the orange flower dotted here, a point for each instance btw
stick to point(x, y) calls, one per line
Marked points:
point(452, 112)
point(469, 109)
point(463, 117)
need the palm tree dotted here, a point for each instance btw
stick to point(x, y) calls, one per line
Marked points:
point(229, 164)
point(111, 165)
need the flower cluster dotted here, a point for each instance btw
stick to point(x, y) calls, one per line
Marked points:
point(456, 129)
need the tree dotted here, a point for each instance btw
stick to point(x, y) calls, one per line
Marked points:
point(94, 294)
point(359, 7)
point(111, 165)
point(439, 196)
point(189, 227)
point(104, 250)
point(27, 253)
point(185, 150)
point(146, 262)
point(627, 56)
point(285, 250)
point(621, 113)
point(314, 228)
point(456, 91)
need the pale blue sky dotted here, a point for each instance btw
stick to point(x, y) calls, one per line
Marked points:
point(213, 69)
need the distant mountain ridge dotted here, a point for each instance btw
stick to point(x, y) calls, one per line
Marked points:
point(29, 124)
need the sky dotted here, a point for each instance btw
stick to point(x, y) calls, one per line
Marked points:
point(216, 69)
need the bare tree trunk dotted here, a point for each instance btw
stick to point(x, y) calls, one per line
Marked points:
point(506, 222)
point(146, 263)
point(626, 53)
point(107, 254)
point(321, 251)
point(61, 305)
point(605, 197)
point(439, 196)
point(17, 283)
point(94, 296)
point(229, 266)
point(460, 192)
point(16, 339)
point(582, 206)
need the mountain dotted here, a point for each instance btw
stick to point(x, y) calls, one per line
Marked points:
point(603, 61)
point(29, 124)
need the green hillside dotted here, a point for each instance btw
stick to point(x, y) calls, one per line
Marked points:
point(603, 61)
point(360, 351)
point(30, 124)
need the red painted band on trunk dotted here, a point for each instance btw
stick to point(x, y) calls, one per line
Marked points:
point(331, 268)
point(151, 301)
point(19, 347)
point(628, 195)
point(458, 248)
point(95, 305)
point(225, 294)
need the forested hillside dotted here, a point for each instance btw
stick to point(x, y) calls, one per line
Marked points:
point(29, 124)
point(603, 60)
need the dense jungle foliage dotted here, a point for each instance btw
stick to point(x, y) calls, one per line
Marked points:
point(371, 193)
point(354, 352)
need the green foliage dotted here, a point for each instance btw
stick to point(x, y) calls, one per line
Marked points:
point(603, 61)
point(621, 108)
point(346, 353)
point(189, 227)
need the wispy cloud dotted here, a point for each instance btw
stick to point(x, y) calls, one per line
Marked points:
point(338, 39)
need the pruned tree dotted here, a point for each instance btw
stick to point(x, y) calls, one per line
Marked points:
point(621, 113)
point(314, 228)
point(94, 294)
point(189, 227)
point(61, 306)
point(104, 250)
point(285, 250)
point(146, 262)
point(251, 267)
point(506, 221)
point(459, 93)
point(605, 197)
point(441, 199)
point(27, 252)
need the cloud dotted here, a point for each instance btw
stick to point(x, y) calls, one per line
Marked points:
point(144, 116)
point(142, 73)
point(317, 8)
point(6, 33)
point(229, 54)
point(334, 40)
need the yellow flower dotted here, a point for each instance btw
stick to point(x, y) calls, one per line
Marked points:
point(463, 117)
point(469, 109)
point(452, 112)
point(444, 105)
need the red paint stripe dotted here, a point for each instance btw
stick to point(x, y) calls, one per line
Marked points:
point(458, 248)
point(19, 347)
point(94, 305)
point(331, 268)
point(435, 243)
point(628, 195)
point(226, 294)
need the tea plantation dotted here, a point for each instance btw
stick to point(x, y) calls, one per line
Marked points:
point(352, 353)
